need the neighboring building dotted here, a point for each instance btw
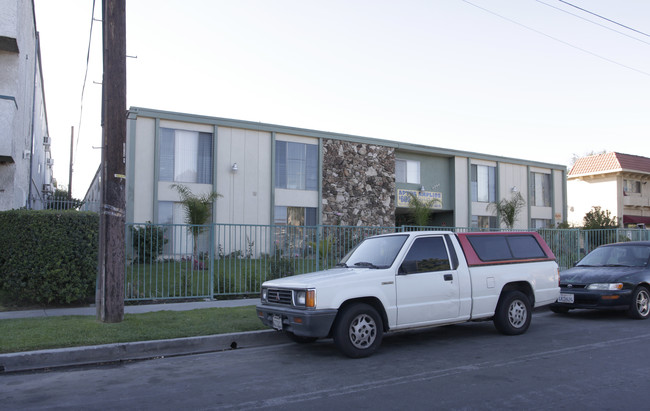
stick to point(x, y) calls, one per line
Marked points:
point(613, 181)
point(25, 159)
point(278, 175)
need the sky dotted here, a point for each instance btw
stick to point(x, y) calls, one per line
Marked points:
point(538, 80)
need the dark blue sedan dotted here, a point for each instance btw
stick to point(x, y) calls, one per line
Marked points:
point(611, 277)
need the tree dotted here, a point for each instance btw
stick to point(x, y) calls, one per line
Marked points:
point(508, 210)
point(575, 157)
point(60, 201)
point(198, 211)
point(421, 209)
point(598, 219)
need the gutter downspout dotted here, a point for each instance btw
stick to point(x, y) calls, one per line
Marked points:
point(31, 146)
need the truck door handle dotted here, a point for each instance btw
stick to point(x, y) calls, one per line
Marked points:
point(448, 277)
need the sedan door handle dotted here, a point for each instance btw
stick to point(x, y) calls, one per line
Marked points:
point(449, 277)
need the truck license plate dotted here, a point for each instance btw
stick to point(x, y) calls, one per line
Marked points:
point(565, 298)
point(277, 322)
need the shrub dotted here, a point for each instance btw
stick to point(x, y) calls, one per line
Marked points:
point(48, 256)
point(280, 266)
point(148, 242)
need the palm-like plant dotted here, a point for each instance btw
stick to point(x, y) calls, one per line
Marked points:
point(508, 210)
point(421, 209)
point(198, 211)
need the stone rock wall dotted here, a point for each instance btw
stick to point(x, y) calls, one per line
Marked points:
point(358, 184)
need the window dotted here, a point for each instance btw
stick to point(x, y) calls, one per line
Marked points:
point(165, 212)
point(426, 255)
point(296, 216)
point(631, 186)
point(484, 221)
point(541, 223)
point(185, 156)
point(541, 190)
point(296, 165)
point(407, 171)
point(291, 237)
point(483, 182)
point(506, 247)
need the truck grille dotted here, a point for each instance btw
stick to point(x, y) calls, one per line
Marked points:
point(279, 296)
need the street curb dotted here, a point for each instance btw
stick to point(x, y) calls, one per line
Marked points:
point(140, 350)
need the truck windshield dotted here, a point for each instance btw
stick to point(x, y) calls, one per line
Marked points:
point(375, 252)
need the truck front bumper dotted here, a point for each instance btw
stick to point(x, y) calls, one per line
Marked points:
point(305, 323)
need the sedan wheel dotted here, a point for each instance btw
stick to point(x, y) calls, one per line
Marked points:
point(640, 305)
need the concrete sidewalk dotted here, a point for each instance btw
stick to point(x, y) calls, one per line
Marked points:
point(129, 309)
point(142, 350)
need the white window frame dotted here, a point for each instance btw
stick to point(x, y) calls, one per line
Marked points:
point(541, 195)
point(484, 188)
point(411, 174)
point(180, 161)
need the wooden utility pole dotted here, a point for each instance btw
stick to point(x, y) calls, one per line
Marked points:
point(110, 285)
point(70, 169)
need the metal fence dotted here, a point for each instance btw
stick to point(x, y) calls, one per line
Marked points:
point(176, 261)
point(58, 203)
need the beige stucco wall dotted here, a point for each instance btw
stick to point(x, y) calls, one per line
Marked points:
point(585, 194)
point(461, 194)
point(143, 180)
point(513, 178)
point(558, 192)
point(247, 192)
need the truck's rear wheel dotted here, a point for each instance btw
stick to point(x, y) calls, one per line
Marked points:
point(512, 316)
point(358, 331)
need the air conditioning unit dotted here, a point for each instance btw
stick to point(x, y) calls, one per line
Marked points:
point(47, 188)
point(49, 161)
point(46, 140)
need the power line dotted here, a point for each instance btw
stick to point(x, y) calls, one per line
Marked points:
point(558, 40)
point(83, 88)
point(604, 18)
point(593, 22)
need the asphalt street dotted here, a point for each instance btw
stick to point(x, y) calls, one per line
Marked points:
point(586, 360)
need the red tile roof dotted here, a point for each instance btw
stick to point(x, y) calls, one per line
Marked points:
point(609, 162)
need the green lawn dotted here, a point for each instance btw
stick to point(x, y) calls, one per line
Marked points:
point(72, 331)
point(233, 276)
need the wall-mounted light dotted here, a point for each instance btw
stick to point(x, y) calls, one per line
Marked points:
point(514, 189)
point(234, 168)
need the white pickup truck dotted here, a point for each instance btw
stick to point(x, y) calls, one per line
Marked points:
point(415, 279)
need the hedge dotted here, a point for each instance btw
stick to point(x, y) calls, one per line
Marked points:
point(48, 256)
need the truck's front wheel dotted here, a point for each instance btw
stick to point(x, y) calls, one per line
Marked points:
point(358, 331)
point(512, 316)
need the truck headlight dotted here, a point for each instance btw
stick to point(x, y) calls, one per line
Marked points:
point(605, 286)
point(264, 294)
point(306, 298)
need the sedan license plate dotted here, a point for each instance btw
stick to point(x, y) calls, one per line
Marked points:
point(277, 322)
point(565, 298)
